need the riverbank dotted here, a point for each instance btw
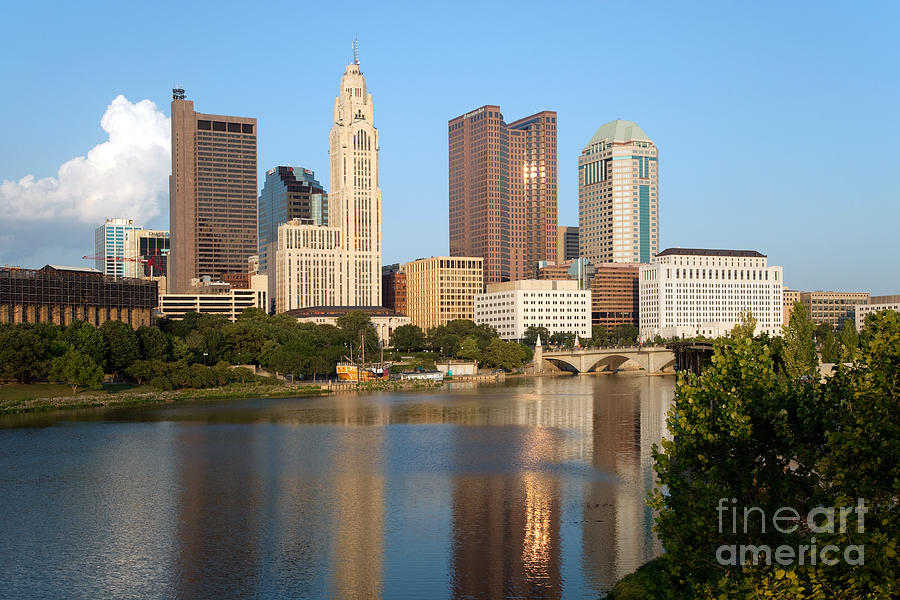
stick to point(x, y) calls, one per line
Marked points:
point(38, 397)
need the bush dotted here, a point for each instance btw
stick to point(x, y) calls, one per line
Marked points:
point(161, 383)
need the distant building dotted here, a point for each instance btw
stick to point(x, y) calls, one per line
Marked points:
point(514, 306)
point(212, 194)
point(228, 302)
point(393, 288)
point(310, 267)
point(615, 298)
point(566, 244)
point(111, 248)
point(550, 270)
point(148, 250)
point(503, 191)
point(689, 292)
point(788, 298)
point(833, 307)
point(288, 193)
point(618, 195)
point(383, 319)
point(441, 289)
point(58, 294)
point(876, 304)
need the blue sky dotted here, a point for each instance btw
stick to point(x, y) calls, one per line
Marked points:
point(776, 122)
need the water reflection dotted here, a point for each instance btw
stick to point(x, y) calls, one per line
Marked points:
point(532, 489)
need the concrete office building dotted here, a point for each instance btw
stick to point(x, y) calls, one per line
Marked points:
point(614, 295)
point(876, 304)
point(338, 264)
point(393, 288)
point(688, 292)
point(228, 302)
point(618, 201)
point(566, 244)
point(149, 249)
point(441, 289)
point(60, 294)
point(514, 306)
point(288, 193)
point(384, 320)
point(212, 194)
point(110, 247)
point(833, 307)
point(503, 191)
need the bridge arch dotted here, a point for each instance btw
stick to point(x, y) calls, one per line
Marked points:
point(562, 364)
point(613, 362)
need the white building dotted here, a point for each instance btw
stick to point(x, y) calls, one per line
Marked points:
point(339, 265)
point(687, 292)
point(876, 303)
point(110, 246)
point(512, 307)
point(228, 303)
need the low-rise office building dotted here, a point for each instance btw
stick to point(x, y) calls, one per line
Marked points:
point(833, 307)
point(788, 297)
point(876, 304)
point(59, 294)
point(512, 307)
point(441, 289)
point(689, 292)
point(614, 295)
point(226, 301)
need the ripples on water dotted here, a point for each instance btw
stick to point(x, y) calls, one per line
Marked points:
point(534, 489)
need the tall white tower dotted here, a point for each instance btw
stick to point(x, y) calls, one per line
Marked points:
point(354, 196)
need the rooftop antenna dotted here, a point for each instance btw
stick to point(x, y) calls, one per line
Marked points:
point(178, 92)
point(355, 51)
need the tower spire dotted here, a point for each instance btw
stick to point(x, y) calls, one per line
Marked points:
point(355, 51)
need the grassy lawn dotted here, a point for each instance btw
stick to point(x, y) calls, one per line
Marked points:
point(14, 392)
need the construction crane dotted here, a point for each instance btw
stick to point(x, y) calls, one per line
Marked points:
point(152, 262)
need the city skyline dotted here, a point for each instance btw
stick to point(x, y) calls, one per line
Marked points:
point(740, 95)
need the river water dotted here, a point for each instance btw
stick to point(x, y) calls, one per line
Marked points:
point(530, 489)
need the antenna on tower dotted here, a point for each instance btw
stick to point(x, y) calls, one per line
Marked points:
point(355, 51)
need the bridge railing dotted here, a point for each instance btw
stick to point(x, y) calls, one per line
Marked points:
point(642, 348)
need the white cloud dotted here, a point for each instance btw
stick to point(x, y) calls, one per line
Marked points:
point(125, 176)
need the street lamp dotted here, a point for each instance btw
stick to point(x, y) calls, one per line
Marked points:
point(205, 354)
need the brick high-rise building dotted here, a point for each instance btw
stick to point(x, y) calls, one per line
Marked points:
point(503, 191)
point(212, 194)
point(614, 295)
point(393, 288)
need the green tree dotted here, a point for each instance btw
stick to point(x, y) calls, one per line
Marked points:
point(357, 324)
point(849, 341)
point(531, 335)
point(503, 355)
point(77, 369)
point(468, 349)
point(563, 338)
point(24, 355)
point(153, 343)
point(245, 338)
point(745, 327)
point(408, 338)
point(799, 348)
point(626, 334)
point(599, 335)
point(84, 337)
point(122, 347)
point(830, 348)
point(745, 431)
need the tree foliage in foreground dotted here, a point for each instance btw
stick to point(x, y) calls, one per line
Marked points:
point(767, 437)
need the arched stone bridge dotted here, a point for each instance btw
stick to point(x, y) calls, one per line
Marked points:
point(653, 359)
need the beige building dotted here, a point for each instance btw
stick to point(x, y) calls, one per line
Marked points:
point(833, 307)
point(338, 264)
point(212, 194)
point(566, 243)
point(309, 267)
point(788, 297)
point(441, 289)
point(876, 303)
point(618, 196)
point(226, 302)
